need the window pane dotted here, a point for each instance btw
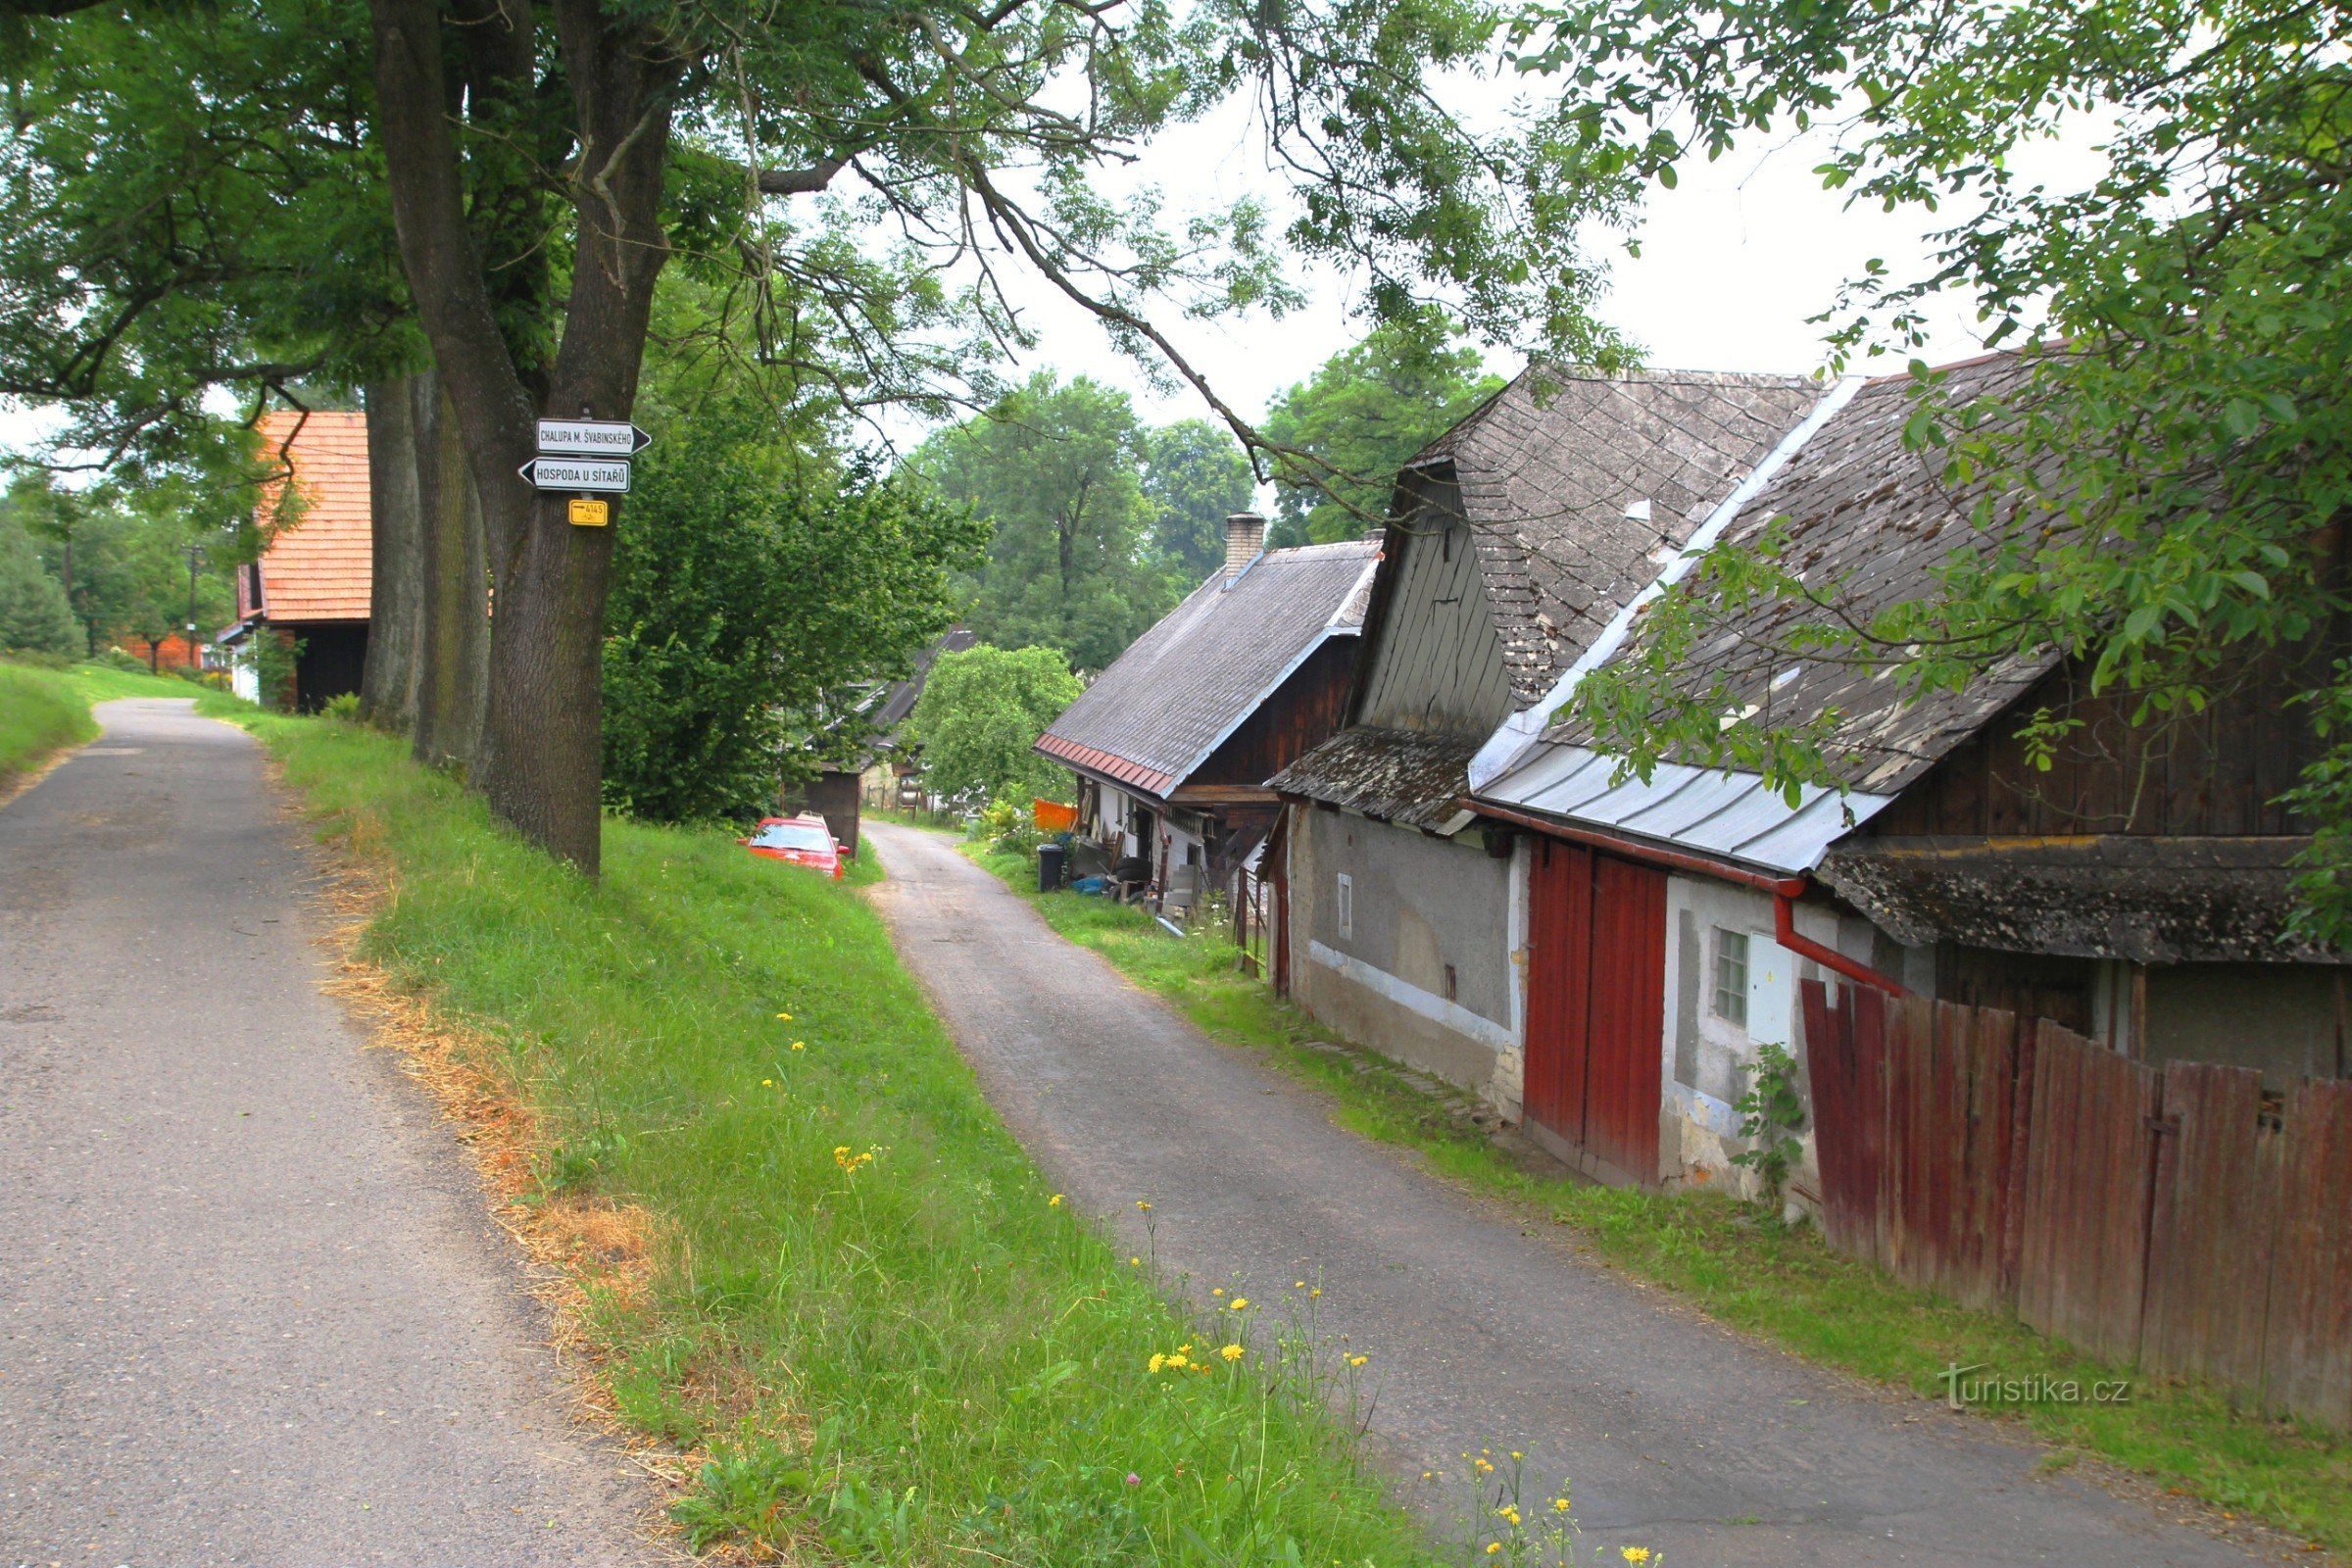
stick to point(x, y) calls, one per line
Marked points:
point(1731, 976)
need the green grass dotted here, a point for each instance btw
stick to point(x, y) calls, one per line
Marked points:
point(1745, 1268)
point(40, 715)
point(103, 683)
point(924, 1358)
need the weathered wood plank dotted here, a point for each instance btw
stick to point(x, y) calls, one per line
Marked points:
point(2212, 1228)
point(2306, 1353)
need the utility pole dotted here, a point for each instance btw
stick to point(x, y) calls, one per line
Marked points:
point(195, 563)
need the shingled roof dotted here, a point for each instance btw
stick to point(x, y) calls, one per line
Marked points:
point(1579, 485)
point(1410, 777)
point(316, 568)
point(1166, 703)
point(1869, 520)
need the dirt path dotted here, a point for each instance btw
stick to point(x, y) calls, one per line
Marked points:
point(1678, 1435)
point(252, 1309)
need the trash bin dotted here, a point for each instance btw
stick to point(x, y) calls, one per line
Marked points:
point(1049, 865)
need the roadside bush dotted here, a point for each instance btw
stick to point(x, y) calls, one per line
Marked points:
point(982, 710)
point(344, 705)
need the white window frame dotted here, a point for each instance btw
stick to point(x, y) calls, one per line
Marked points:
point(1343, 901)
point(1727, 994)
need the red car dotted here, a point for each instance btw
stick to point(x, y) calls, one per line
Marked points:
point(801, 840)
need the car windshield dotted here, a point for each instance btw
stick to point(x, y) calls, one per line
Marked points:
point(793, 836)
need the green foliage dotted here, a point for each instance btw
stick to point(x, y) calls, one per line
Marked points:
point(1771, 1114)
point(34, 615)
point(1008, 826)
point(192, 201)
point(1195, 477)
point(751, 593)
point(981, 711)
point(1366, 411)
point(129, 558)
point(2157, 498)
point(344, 705)
point(1056, 470)
point(920, 1359)
point(39, 712)
point(271, 656)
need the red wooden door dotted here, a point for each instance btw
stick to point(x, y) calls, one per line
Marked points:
point(1596, 1003)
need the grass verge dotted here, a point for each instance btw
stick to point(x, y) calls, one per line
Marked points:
point(42, 714)
point(103, 683)
point(879, 1336)
point(1744, 1268)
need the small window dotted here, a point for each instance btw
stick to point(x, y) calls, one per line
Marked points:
point(1345, 902)
point(1731, 976)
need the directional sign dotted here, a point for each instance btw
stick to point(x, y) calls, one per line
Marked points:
point(591, 438)
point(578, 474)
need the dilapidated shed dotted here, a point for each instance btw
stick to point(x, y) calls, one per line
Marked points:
point(1173, 743)
point(2136, 890)
point(1514, 540)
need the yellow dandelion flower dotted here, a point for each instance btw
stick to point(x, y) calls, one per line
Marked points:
point(800, 1044)
point(1143, 1207)
point(1559, 1505)
point(1240, 1303)
point(1054, 1202)
point(839, 1150)
point(767, 1083)
point(1633, 1554)
point(1359, 1360)
point(1134, 1262)
point(1516, 1455)
point(1493, 1547)
point(1317, 1291)
point(1184, 1349)
point(1231, 1352)
point(1507, 1512)
point(1158, 1361)
point(1298, 1285)
point(1216, 1290)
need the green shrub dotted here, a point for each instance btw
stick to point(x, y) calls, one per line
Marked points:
point(344, 705)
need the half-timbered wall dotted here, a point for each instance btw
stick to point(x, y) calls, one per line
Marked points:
point(1436, 663)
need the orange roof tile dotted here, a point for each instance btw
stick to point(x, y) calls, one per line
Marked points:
point(318, 570)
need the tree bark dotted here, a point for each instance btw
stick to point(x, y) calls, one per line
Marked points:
point(454, 639)
point(388, 683)
point(540, 763)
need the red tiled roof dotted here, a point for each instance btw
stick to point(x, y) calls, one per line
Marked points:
point(317, 568)
point(1118, 768)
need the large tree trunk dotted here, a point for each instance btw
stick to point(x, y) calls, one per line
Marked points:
point(396, 571)
point(454, 653)
point(541, 760)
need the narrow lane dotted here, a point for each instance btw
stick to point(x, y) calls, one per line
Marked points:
point(252, 1309)
point(1676, 1435)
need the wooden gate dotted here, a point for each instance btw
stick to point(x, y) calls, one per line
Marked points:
point(1596, 1008)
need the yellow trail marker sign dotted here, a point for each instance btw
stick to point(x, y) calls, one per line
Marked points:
point(588, 513)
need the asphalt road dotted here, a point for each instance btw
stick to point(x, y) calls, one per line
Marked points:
point(252, 1309)
point(1675, 1434)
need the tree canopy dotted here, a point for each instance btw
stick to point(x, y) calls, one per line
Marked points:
point(2162, 499)
point(981, 711)
point(1194, 477)
point(1363, 412)
point(1057, 473)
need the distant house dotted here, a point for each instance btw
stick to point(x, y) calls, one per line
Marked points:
point(2137, 890)
point(1516, 538)
point(875, 758)
point(1173, 743)
point(891, 758)
point(311, 586)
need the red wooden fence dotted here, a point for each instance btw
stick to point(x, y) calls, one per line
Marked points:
point(2166, 1217)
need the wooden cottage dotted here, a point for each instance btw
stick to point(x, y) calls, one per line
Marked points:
point(1173, 743)
point(310, 585)
point(1516, 538)
point(2138, 892)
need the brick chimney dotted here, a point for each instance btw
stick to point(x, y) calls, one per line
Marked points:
point(1245, 542)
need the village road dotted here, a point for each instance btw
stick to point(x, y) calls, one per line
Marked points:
point(252, 1309)
point(1676, 1434)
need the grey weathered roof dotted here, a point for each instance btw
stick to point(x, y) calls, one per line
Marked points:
point(1410, 777)
point(2149, 901)
point(1167, 701)
point(1553, 468)
point(1870, 520)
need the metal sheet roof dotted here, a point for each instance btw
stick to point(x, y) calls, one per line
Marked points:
point(1707, 810)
